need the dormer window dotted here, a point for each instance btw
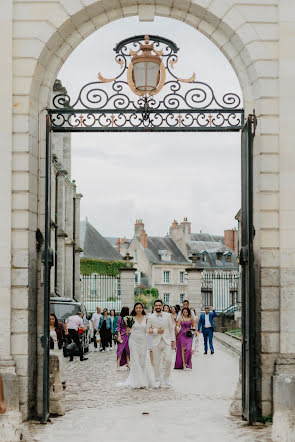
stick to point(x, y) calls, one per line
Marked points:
point(227, 256)
point(204, 255)
point(165, 255)
point(219, 256)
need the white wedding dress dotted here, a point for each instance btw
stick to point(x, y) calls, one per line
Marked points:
point(141, 370)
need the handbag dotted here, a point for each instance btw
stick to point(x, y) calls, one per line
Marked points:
point(70, 349)
point(97, 337)
point(189, 333)
point(115, 337)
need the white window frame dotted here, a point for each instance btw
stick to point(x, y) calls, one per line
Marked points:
point(181, 298)
point(181, 277)
point(165, 274)
point(166, 298)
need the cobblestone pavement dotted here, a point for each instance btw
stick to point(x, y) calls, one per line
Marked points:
point(195, 408)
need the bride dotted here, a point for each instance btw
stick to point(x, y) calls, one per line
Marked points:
point(141, 370)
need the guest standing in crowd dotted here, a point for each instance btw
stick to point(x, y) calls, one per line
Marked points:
point(177, 308)
point(114, 319)
point(185, 304)
point(105, 330)
point(74, 323)
point(173, 314)
point(206, 323)
point(174, 317)
point(123, 353)
point(59, 336)
point(166, 308)
point(185, 340)
point(95, 321)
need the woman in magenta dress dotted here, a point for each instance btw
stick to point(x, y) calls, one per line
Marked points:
point(184, 342)
point(123, 353)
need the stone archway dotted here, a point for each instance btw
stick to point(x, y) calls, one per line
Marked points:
point(45, 34)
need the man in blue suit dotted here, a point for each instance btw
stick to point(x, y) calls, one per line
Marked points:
point(206, 322)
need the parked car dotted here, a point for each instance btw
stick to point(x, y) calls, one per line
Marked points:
point(65, 307)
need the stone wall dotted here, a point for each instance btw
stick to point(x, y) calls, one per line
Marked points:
point(257, 37)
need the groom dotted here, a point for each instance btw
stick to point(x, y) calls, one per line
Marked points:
point(163, 339)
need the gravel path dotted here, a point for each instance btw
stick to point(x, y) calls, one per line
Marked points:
point(195, 408)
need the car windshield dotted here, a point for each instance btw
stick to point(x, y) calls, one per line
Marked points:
point(63, 310)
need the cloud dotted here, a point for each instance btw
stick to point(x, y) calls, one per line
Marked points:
point(157, 177)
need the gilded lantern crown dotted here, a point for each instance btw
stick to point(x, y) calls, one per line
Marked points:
point(146, 73)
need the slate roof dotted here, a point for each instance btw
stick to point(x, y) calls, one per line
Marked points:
point(212, 248)
point(113, 240)
point(95, 246)
point(157, 243)
point(206, 237)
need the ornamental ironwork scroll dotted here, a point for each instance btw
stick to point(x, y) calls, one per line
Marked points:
point(182, 104)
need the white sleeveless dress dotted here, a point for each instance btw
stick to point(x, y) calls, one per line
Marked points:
point(141, 370)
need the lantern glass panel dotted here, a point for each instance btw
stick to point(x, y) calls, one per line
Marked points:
point(146, 75)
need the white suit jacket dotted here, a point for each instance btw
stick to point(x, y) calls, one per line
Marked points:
point(166, 324)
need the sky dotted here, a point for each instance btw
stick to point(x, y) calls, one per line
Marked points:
point(157, 177)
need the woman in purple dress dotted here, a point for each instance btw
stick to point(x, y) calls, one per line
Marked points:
point(184, 340)
point(123, 353)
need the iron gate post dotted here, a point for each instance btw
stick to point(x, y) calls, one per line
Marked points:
point(47, 259)
point(248, 288)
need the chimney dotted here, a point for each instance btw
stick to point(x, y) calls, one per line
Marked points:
point(118, 245)
point(231, 239)
point(187, 226)
point(144, 239)
point(138, 227)
point(173, 227)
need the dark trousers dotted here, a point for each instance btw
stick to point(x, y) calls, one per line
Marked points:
point(208, 334)
point(75, 338)
point(106, 338)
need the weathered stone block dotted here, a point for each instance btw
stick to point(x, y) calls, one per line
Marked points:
point(270, 277)
point(284, 408)
point(19, 321)
point(19, 344)
point(270, 321)
point(270, 342)
point(270, 298)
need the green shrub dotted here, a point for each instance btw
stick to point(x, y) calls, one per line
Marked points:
point(110, 268)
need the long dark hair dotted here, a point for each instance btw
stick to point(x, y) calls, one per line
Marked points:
point(188, 311)
point(177, 308)
point(133, 313)
point(56, 323)
point(113, 310)
point(124, 312)
point(166, 305)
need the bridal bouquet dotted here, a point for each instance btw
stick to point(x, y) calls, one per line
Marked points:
point(129, 321)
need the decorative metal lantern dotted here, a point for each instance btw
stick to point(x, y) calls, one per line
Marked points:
point(146, 72)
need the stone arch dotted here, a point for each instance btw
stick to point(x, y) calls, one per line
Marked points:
point(224, 26)
point(44, 36)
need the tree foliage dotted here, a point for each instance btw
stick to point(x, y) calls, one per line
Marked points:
point(146, 296)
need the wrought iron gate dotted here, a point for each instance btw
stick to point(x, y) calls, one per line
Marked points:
point(184, 105)
point(249, 369)
point(101, 291)
point(221, 289)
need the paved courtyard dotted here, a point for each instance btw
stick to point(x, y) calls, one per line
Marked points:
point(194, 408)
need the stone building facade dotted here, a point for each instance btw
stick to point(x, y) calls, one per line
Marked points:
point(257, 37)
point(161, 262)
point(65, 222)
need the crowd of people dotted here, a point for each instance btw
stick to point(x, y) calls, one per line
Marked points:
point(144, 342)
